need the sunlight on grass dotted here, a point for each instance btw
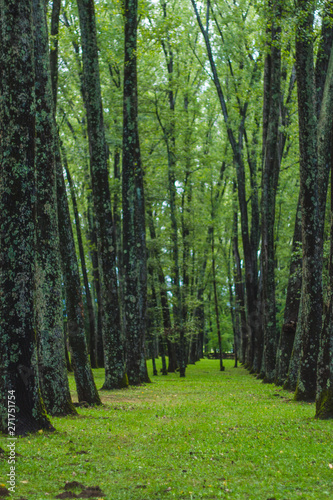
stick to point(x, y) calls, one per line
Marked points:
point(211, 435)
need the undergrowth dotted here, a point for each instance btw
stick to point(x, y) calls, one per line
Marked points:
point(211, 435)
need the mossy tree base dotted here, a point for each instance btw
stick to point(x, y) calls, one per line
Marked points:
point(112, 383)
point(324, 405)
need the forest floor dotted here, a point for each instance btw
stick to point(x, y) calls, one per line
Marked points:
point(211, 435)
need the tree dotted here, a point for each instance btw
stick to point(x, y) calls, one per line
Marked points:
point(18, 348)
point(134, 229)
point(50, 340)
point(251, 237)
point(115, 375)
point(271, 168)
point(315, 151)
point(85, 385)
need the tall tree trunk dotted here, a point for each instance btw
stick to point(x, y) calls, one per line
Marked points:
point(18, 350)
point(92, 238)
point(54, 32)
point(85, 385)
point(166, 316)
point(324, 394)
point(287, 335)
point(84, 380)
point(271, 168)
point(239, 292)
point(50, 335)
point(170, 141)
point(152, 321)
point(199, 313)
point(216, 302)
point(311, 297)
point(234, 312)
point(119, 246)
point(90, 307)
point(134, 229)
point(115, 376)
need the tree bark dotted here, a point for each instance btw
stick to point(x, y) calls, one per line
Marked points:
point(90, 308)
point(311, 297)
point(239, 293)
point(54, 32)
point(18, 350)
point(290, 318)
point(134, 231)
point(166, 316)
point(93, 246)
point(50, 335)
point(84, 380)
point(324, 393)
point(115, 375)
point(271, 168)
point(85, 385)
point(216, 304)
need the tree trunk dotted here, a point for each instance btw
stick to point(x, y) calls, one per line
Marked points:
point(54, 32)
point(271, 168)
point(167, 326)
point(50, 335)
point(93, 245)
point(239, 293)
point(118, 238)
point(115, 376)
point(85, 385)
point(90, 308)
point(216, 303)
point(134, 232)
point(152, 322)
point(324, 393)
point(290, 318)
point(311, 297)
point(18, 351)
point(199, 313)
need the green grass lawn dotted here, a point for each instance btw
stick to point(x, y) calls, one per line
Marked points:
point(211, 435)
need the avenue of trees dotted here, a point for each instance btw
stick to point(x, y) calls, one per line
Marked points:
point(165, 190)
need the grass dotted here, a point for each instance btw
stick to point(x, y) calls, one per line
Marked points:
point(211, 435)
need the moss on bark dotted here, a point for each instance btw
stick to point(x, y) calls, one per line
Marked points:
point(112, 340)
point(51, 352)
point(18, 352)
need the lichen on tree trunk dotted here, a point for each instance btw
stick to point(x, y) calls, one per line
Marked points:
point(50, 337)
point(115, 375)
point(134, 231)
point(311, 297)
point(18, 351)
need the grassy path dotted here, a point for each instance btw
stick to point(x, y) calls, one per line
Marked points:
point(211, 435)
